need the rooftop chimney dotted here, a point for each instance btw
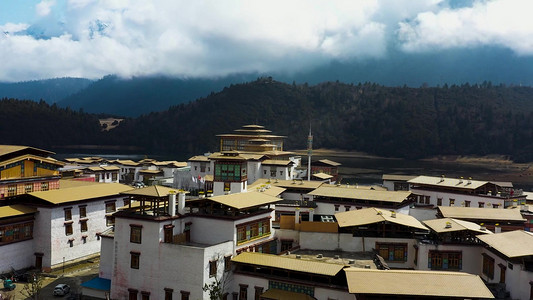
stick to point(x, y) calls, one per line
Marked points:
point(172, 203)
point(181, 203)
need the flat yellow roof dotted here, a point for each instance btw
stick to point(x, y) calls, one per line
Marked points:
point(450, 224)
point(288, 263)
point(81, 193)
point(373, 215)
point(246, 199)
point(150, 191)
point(354, 192)
point(416, 283)
point(16, 210)
point(476, 213)
point(512, 243)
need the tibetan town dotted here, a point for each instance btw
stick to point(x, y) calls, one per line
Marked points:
point(255, 221)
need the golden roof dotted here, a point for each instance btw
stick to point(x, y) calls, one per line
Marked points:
point(7, 149)
point(199, 158)
point(245, 199)
point(416, 283)
point(330, 162)
point(69, 183)
point(16, 210)
point(449, 224)
point(397, 177)
point(267, 188)
point(288, 263)
point(33, 157)
point(81, 193)
point(127, 162)
point(373, 215)
point(511, 244)
point(151, 171)
point(476, 213)
point(288, 184)
point(110, 168)
point(151, 191)
point(354, 192)
point(448, 182)
point(322, 176)
point(95, 169)
point(277, 162)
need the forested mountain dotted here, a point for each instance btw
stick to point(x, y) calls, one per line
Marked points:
point(50, 90)
point(388, 121)
point(138, 95)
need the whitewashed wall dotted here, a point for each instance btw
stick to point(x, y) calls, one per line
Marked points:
point(18, 255)
point(459, 198)
point(106, 257)
point(423, 214)
point(470, 256)
point(327, 208)
point(517, 280)
point(96, 222)
point(346, 242)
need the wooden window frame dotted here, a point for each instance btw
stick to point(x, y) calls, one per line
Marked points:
point(135, 260)
point(135, 234)
point(213, 268)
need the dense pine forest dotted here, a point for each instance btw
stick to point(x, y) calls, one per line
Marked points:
point(387, 121)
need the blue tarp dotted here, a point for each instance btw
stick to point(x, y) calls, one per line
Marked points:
point(98, 284)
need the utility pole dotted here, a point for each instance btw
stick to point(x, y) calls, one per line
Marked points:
point(309, 152)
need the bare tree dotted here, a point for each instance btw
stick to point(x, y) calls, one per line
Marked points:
point(33, 288)
point(217, 288)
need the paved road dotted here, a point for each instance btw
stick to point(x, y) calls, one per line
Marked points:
point(73, 276)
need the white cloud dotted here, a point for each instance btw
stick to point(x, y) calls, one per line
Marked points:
point(505, 23)
point(44, 7)
point(10, 28)
point(93, 38)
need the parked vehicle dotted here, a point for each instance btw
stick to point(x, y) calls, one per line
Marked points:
point(61, 289)
point(9, 285)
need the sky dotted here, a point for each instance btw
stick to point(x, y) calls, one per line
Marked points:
point(93, 38)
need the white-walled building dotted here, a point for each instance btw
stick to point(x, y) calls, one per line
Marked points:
point(492, 219)
point(17, 223)
point(69, 220)
point(507, 260)
point(161, 237)
point(441, 191)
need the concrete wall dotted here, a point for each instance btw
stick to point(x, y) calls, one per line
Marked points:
point(470, 256)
